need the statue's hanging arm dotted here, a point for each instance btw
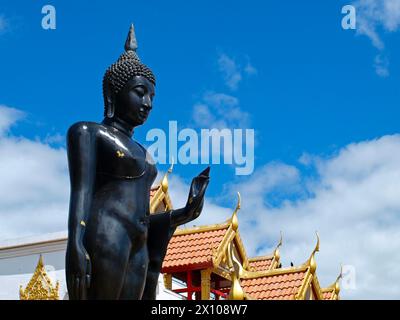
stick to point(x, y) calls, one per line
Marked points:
point(81, 159)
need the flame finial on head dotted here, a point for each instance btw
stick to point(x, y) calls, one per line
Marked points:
point(131, 42)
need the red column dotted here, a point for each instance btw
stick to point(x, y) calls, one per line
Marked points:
point(189, 285)
point(217, 288)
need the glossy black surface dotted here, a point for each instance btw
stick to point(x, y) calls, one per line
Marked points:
point(115, 247)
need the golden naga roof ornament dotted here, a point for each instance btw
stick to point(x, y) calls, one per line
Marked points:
point(234, 219)
point(311, 261)
point(236, 292)
point(40, 286)
point(336, 285)
point(277, 254)
point(164, 181)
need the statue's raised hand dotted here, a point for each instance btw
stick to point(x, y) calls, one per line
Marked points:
point(195, 201)
point(80, 271)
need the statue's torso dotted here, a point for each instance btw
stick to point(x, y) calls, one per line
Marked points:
point(124, 173)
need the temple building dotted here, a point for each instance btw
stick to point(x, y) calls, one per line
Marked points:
point(208, 260)
point(202, 263)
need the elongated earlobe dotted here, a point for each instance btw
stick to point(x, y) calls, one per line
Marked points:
point(109, 105)
point(110, 109)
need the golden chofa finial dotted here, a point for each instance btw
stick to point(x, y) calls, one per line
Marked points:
point(40, 286)
point(337, 282)
point(236, 292)
point(234, 219)
point(277, 254)
point(311, 261)
point(164, 181)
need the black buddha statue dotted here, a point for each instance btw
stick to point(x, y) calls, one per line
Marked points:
point(115, 247)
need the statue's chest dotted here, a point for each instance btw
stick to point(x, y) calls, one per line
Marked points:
point(122, 158)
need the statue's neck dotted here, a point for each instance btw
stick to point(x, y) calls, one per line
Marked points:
point(120, 125)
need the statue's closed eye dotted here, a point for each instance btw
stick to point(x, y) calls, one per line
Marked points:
point(140, 91)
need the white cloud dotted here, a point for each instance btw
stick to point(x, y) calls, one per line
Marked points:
point(54, 139)
point(250, 69)
point(232, 72)
point(3, 24)
point(374, 16)
point(381, 66)
point(219, 110)
point(34, 184)
point(353, 201)
point(8, 117)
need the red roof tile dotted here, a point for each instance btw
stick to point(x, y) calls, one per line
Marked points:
point(192, 250)
point(275, 286)
point(260, 264)
point(327, 295)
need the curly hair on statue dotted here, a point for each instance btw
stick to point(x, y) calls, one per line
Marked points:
point(125, 68)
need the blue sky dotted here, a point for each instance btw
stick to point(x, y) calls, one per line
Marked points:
point(309, 88)
point(315, 89)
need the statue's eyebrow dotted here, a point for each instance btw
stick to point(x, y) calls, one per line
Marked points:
point(138, 84)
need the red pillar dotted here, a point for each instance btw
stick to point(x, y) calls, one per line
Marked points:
point(217, 288)
point(189, 285)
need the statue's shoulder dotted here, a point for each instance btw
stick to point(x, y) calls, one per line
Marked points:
point(84, 127)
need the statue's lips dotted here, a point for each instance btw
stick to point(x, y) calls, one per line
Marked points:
point(143, 114)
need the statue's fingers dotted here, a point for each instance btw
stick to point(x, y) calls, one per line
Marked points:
point(88, 279)
point(82, 288)
point(200, 207)
point(205, 172)
point(88, 273)
point(72, 288)
point(202, 190)
point(77, 286)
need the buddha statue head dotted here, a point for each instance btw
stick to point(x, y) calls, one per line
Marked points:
point(128, 86)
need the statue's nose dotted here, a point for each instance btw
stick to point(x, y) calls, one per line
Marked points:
point(147, 103)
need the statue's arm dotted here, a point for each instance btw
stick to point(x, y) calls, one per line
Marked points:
point(194, 204)
point(164, 224)
point(81, 144)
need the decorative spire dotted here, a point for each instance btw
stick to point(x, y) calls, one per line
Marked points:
point(337, 282)
point(311, 261)
point(40, 262)
point(277, 254)
point(234, 219)
point(236, 292)
point(131, 43)
point(164, 181)
point(40, 286)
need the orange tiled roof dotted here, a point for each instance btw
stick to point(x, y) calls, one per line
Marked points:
point(281, 286)
point(193, 250)
point(261, 263)
point(328, 295)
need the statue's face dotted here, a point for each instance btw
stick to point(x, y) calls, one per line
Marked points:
point(135, 100)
